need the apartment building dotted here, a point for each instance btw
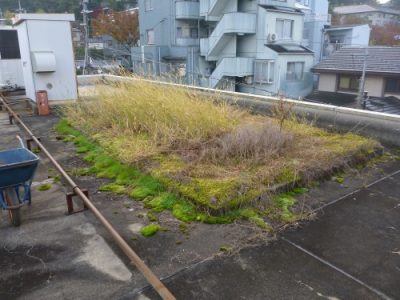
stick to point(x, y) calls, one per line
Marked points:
point(316, 19)
point(252, 46)
point(256, 47)
point(169, 39)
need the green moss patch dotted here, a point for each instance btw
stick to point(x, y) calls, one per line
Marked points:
point(44, 187)
point(150, 230)
point(192, 193)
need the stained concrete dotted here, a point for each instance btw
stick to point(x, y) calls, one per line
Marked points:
point(352, 251)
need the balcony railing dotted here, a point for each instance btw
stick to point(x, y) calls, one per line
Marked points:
point(232, 67)
point(187, 41)
point(187, 10)
point(287, 3)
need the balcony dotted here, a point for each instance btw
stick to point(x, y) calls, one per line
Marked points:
point(232, 67)
point(204, 47)
point(288, 3)
point(187, 41)
point(231, 23)
point(187, 10)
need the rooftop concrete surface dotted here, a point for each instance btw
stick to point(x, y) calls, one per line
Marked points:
point(350, 250)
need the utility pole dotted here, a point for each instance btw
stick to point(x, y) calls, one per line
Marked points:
point(361, 90)
point(85, 13)
point(20, 10)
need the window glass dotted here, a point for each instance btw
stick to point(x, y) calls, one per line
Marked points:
point(392, 85)
point(295, 71)
point(194, 33)
point(264, 71)
point(284, 28)
point(150, 37)
point(348, 82)
point(9, 46)
point(344, 82)
point(179, 32)
point(148, 4)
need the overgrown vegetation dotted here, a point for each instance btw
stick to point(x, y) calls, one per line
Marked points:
point(200, 158)
point(129, 180)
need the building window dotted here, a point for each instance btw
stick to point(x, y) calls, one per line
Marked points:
point(194, 33)
point(187, 32)
point(392, 85)
point(295, 71)
point(9, 46)
point(349, 83)
point(264, 71)
point(284, 28)
point(179, 32)
point(150, 36)
point(148, 5)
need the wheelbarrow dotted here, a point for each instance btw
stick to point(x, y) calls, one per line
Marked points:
point(17, 168)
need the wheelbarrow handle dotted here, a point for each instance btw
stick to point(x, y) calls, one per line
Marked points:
point(21, 141)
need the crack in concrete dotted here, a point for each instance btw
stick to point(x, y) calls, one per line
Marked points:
point(316, 292)
point(332, 266)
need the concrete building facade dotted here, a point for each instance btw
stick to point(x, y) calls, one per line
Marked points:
point(336, 37)
point(170, 34)
point(316, 19)
point(242, 45)
point(374, 15)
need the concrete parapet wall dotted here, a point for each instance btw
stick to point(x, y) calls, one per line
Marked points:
point(381, 126)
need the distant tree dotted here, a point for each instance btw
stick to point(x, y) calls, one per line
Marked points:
point(348, 20)
point(8, 15)
point(395, 4)
point(334, 3)
point(121, 26)
point(63, 6)
point(388, 35)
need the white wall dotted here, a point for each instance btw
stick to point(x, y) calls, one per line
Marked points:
point(11, 71)
point(45, 35)
point(327, 82)
point(374, 85)
point(360, 35)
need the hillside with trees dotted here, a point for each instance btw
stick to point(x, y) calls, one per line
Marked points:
point(62, 6)
point(334, 3)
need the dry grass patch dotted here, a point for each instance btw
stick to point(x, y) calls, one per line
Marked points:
point(216, 155)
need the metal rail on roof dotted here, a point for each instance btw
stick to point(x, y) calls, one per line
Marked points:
point(136, 260)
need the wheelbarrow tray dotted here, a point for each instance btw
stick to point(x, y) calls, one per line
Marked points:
point(17, 166)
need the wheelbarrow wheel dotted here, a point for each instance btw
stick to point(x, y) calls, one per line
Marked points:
point(12, 200)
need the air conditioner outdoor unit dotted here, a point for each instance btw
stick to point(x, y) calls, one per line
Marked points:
point(272, 37)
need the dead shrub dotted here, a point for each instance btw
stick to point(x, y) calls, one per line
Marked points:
point(282, 111)
point(249, 141)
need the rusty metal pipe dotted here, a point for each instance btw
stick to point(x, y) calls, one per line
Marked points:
point(136, 260)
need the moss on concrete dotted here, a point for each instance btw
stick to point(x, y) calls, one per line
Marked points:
point(206, 193)
point(150, 230)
